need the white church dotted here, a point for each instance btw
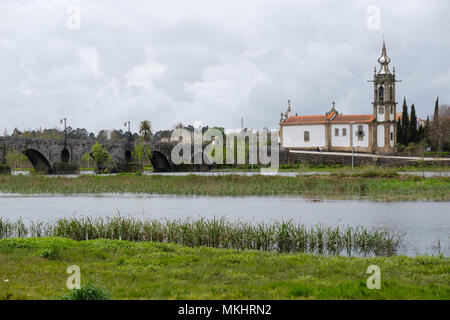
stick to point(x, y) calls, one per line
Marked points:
point(332, 131)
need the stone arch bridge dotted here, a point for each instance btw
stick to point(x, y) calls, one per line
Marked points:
point(46, 154)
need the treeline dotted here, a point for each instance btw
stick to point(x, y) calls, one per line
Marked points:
point(434, 134)
point(75, 134)
point(408, 131)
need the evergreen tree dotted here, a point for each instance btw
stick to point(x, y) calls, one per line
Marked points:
point(436, 113)
point(427, 131)
point(405, 124)
point(413, 133)
point(435, 127)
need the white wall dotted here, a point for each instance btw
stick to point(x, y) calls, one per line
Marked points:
point(365, 141)
point(340, 141)
point(391, 131)
point(293, 136)
point(380, 136)
point(381, 117)
point(391, 115)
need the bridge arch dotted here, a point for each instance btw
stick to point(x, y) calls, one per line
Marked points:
point(127, 156)
point(160, 162)
point(38, 160)
point(65, 155)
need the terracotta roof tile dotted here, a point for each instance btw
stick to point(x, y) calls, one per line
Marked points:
point(353, 118)
point(323, 118)
point(305, 119)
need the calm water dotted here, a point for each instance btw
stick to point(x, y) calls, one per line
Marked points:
point(426, 224)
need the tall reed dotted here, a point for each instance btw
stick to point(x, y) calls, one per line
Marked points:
point(284, 236)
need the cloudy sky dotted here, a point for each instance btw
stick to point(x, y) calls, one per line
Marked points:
point(100, 63)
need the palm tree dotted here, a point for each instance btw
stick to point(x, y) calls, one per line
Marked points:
point(145, 128)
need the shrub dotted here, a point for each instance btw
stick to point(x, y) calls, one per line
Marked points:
point(90, 291)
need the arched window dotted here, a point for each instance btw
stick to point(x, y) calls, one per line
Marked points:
point(391, 91)
point(381, 93)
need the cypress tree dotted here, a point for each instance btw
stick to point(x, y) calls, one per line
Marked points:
point(436, 112)
point(405, 124)
point(435, 130)
point(413, 134)
point(427, 131)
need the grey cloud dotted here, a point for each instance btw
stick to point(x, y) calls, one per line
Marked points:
point(215, 61)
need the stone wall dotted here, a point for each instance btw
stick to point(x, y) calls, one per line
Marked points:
point(289, 158)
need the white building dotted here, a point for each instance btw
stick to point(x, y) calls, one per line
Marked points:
point(332, 131)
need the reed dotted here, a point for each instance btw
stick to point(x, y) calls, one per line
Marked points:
point(383, 185)
point(284, 236)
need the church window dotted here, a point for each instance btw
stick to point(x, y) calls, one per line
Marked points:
point(392, 136)
point(344, 132)
point(381, 93)
point(392, 110)
point(306, 136)
point(360, 133)
point(336, 132)
point(390, 93)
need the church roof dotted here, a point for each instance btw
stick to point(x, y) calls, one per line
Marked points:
point(340, 118)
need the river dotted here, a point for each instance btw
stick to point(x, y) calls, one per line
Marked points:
point(426, 224)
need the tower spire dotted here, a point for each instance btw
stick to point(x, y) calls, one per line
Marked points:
point(384, 60)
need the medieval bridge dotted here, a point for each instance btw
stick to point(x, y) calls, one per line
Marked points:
point(44, 154)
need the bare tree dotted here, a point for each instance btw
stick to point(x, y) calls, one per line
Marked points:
point(438, 132)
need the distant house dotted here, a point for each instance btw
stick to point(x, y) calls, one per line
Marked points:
point(420, 122)
point(164, 140)
point(332, 131)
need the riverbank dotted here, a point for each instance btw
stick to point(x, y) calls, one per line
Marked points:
point(372, 185)
point(36, 269)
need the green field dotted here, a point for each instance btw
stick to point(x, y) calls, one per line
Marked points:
point(372, 185)
point(36, 269)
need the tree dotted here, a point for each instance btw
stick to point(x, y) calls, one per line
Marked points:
point(413, 133)
point(141, 152)
point(145, 129)
point(102, 136)
point(433, 132)
point(100, 155)
point(405, 124)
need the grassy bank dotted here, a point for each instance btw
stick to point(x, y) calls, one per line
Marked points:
point(36, 269)
point(369, 184)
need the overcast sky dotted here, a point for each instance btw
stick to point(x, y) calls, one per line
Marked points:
point(213, 61)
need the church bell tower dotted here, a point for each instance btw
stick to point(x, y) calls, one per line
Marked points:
point(384, 105)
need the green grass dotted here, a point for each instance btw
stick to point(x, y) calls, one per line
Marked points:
point(148, 270)
point(371, 185)
point(283, 236)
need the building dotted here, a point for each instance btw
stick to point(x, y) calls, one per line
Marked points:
point(333, 131)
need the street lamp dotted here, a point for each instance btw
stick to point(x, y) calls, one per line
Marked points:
point(127, 123)
point(65, 130)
